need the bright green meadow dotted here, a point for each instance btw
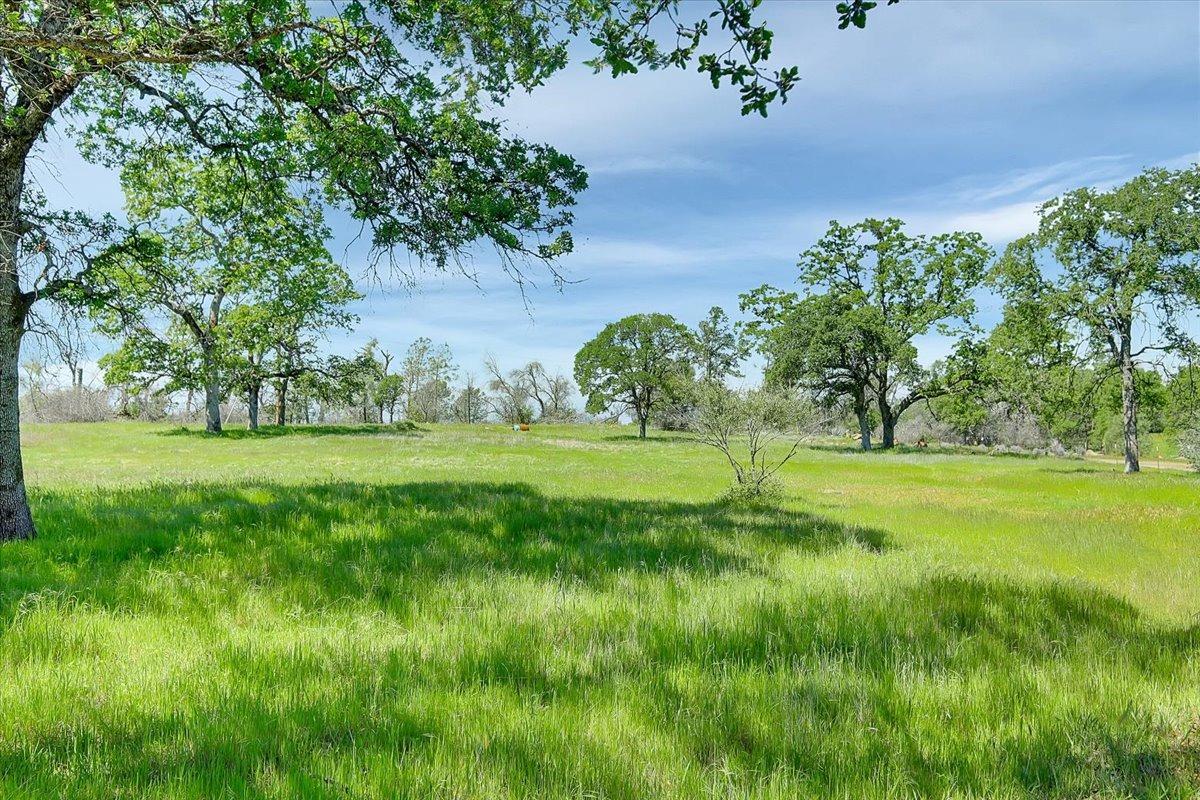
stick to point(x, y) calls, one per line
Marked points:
point(461, 612)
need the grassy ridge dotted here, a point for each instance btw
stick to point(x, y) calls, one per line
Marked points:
point(475, 613)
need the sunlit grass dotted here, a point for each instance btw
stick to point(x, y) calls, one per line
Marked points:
point(477, 613)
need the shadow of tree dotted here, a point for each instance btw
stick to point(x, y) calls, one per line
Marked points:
point(276, 431)
point(933, 686)
point(337, 540)
point(1000, 633)
point(1082, 469)
point(658, 437)
point(901, 449)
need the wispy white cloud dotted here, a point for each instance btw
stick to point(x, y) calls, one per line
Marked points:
point(666, 162)
point(1003, 206)
point(997, 225)
point(1040, 181)
point(1182, 161)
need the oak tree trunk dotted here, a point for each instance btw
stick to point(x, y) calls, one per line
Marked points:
point(212, 406)
point(887, 424)
point(641, 427)
point(281, 391)
point(252, 403)
point(864, 423)
point(1129, 408)
point(16, 521)
point(212, 392)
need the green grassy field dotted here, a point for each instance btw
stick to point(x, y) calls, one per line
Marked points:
point(475, 613)
point(1161, 445)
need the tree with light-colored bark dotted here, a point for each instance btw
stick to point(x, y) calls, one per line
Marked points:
point(1121, 270)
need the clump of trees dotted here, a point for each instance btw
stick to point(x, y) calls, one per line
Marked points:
point(1114, 276)
point(374, 386)
point(870, 290)
point(46, 399)
point(650, 366)
point(1097, 304)
point(227, 284)
point(528, 393)
point(243, 313)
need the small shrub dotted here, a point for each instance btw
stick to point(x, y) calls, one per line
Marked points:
point(750, 495)
point(78, 404)
point(524, 414)
point(757, 430)
point(1189, 447)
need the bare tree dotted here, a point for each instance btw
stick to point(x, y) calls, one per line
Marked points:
point(551, 393)
point(509, 399)
point(471, 404)
point(757, 430)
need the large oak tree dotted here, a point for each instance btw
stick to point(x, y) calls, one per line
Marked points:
point(1126, 279)
point(637, 365)
point(874, 289)
point(816, 344)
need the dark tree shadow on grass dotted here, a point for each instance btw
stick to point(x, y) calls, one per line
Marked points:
point(350, 540)
point(276, 431)
point(659, 437)
point(938, 686)
point(900, 449)
point(953, 685)
point(991, 631)
point(1082, 469)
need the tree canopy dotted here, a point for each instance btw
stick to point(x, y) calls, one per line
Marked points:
point(817, 345)
point(635, 365)
point(1125, 280)
point(874, 289)
point(215, 236)
point(720, 346)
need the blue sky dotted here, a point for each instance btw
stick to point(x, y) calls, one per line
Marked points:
point(949, 115)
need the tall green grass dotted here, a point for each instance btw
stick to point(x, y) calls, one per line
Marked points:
point(475, 613)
